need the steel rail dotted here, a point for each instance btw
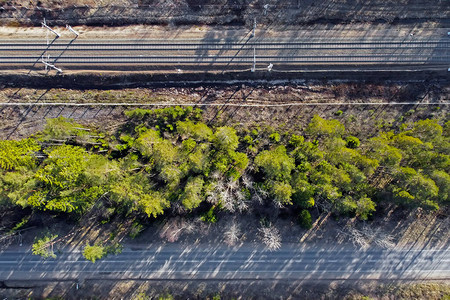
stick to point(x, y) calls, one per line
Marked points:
point(385, 58)
point(201, 48)
point(235, 40)
point(223, 42)
point(223, 46)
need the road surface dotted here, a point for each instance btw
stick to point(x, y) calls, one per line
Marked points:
point(222, 263)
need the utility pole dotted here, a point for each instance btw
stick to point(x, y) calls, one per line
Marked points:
point(48, 59)
point(46, 33)
point(254, 60)
point(254, 28)
point(72, 30)
point(54, 32)
point(51, 66)
point(266, 7)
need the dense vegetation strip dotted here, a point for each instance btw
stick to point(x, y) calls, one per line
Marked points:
point(169, 157)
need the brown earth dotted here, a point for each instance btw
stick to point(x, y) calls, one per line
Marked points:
point(427, 30)
point(140, 290)
point(221, 12)
point(241, 105)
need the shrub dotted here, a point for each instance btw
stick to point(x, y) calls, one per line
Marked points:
point(352, 142)
point(338, 113)
point(136, 229)
point(409, 112)
point(248, 140)
point(305, 219)
point(275, 137)
point(210, 216)
point(296, 140)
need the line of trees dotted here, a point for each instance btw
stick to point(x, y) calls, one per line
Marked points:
point(168, 157)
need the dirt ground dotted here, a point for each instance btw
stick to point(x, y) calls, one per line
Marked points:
point(140, 290)
point(428, 29)
point(242, 106)
point(220, 12)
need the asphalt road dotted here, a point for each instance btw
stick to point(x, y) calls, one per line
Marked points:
point(222, 263)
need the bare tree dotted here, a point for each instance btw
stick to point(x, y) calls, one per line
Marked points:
point(228, 192)
point(172, 229)
point(232, 234)
point(270, 236)
point(259, 195)
point(365, 236)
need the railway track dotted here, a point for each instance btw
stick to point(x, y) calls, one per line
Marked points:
point(348, 59)
point(286, 53)
point(186, 45)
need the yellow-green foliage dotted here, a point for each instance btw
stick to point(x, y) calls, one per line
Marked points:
point(94, 252)
point(14, 154)
point(276, 163)
point(43, 246)
point(168, 155)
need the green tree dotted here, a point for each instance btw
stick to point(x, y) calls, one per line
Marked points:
point(134, 192)
point(415, 152)
point(152, 146)
point(16, 186)
point(192, 195)
point(64, 167)
point(94, 252)
point(381, 148)
point(70, 179)
point(413, 188)
point(239, 162)
point(303, 191)
point(153, 204)
point(146, 142)
point(199, 159)
point(319, 127)
point(442, 180)
point(225, 138)
point(171, 175)
point(44, 246)
point(364, 208)
point(427, 130)
point(281, 191)
point(276, 163)
point(197, 131)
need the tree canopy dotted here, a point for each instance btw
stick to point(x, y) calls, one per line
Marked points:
point(166, 156)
